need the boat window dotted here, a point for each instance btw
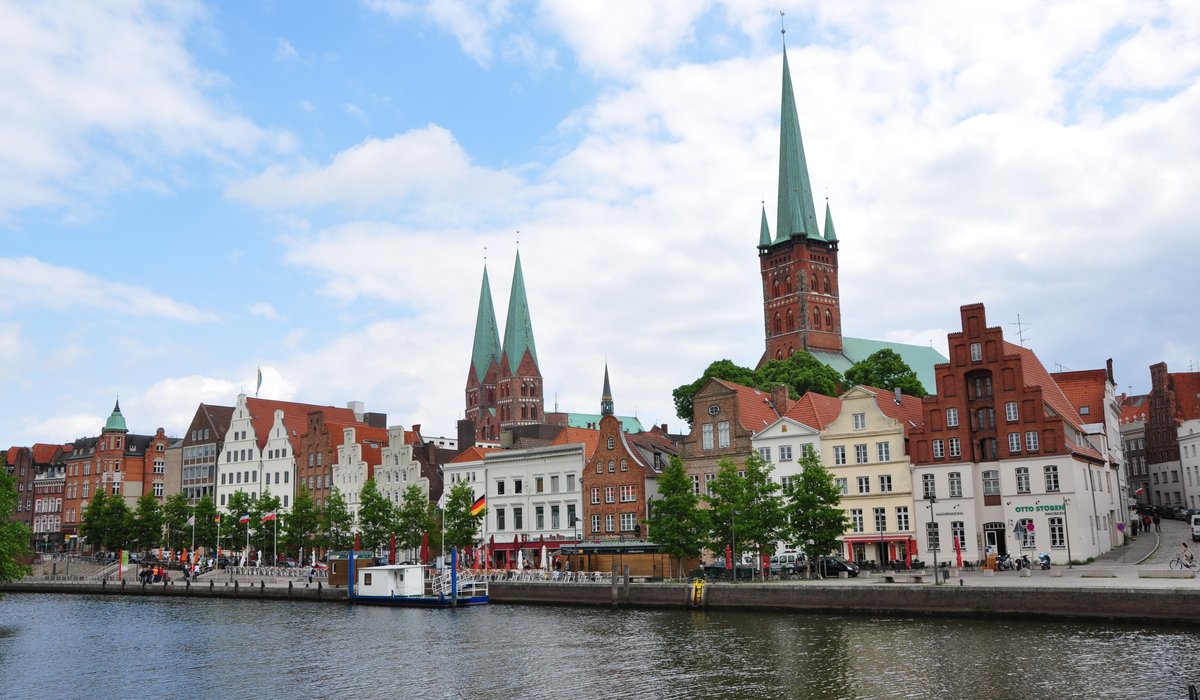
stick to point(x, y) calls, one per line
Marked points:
point(366, 579)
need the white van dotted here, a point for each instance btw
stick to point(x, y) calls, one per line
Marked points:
point(1196, 527)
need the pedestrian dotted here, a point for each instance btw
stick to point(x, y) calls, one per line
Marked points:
point(1146, 522)
point(1157, 522)
point(312, 570)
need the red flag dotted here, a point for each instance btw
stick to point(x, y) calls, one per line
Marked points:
point(392, 550)
point(728, 557)
point(244, 519)
point(269, 516)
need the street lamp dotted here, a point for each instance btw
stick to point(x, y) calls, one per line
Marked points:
point(933, 548)
point(1067, 530)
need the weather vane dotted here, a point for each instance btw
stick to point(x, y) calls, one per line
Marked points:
point(782, 27)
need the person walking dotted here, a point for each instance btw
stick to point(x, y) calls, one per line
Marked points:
point(1157, 522)
point(1146, 522)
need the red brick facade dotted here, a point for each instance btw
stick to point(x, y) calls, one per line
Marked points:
point(801, 306)
point(614, 487)
point(726, 417)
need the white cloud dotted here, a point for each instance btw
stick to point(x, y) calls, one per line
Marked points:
point(58, 429)
point(264, 309)
point(32, 283)
point(97, 88)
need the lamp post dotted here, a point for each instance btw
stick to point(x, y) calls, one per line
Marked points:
point(882, 550)
point(733, 541)
point(933, 548)
point(1067, 530)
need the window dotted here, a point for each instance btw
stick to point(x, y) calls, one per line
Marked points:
point(765, 452)
point(517, 484)
point(1014, 442)
point(1057, 533)
point(864, 484)
point(939, 449)
point(928, 487)
point(856, 520)
point(158, 489)
point(500, 487)
point(612, 467)
point(595, 524)
point(860, 453)
point(628, 522)
point(955, 447)
point(902, 518)
point(932, 537)
point(860, 421)
point(554, 484)
point(843, 486)
point(991, 483)
point(571, 514)
point(808, 450)
point(696, 484)
point(599, 466)
point(976, 352)
point(538, 484)
point(708, 481)
point(628, 493)
point(609, 522)
point(985, 418)
point(1010, 411)
point(951, 417)
point(1026, 536)
point(554, 517)
point(723, 434)
point(160, 466)
point(880, 519)
point(624, 465)
point(1031, 441)
point(885, 483)
point(955, 484)
point(1022, 479)
point(981, 386)
point(785, 453)
point(883, 450)
point(707, 432)
point(958, 531)
point(518, 519)
point(595, 495)
point(610, 494)
point(839, 454)
point(539, 517)
point(499, 518)
point(570, 483)
point(1051, 475)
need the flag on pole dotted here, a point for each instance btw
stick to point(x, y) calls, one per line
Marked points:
point(259, 385)
point(244, 519)
point(217, 518)
point(479, 504)
point(442, 502)
point(269, 516)
point(1140, 491)
point(191, 520)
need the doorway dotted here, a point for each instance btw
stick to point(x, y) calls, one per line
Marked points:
point(994, 538)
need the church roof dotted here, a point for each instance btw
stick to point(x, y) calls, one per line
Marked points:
point(764, 230)
point(921, 358)
point(796, 214)
point(486, 348)
point(518, 328)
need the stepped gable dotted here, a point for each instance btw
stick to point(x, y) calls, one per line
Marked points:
point(908, 411)
point(815, 410)
point(1084, 388)
point(570, 435)
point(755, 410)
point(295, 418)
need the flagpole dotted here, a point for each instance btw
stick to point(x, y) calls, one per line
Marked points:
point(193, 530)
point(275, 548)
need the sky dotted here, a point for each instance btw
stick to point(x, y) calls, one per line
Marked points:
point(191, 191)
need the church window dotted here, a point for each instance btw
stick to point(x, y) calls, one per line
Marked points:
point(827, 284)
point(828, 320)
point(775, 289)
point(816, 318)
point(778, 325)
point(791, 321)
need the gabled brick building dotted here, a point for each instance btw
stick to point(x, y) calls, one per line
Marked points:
point(1173, 437)
point(726, 417)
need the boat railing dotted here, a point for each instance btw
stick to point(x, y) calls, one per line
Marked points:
point(538, 575)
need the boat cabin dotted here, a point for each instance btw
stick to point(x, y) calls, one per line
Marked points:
point(395, 580)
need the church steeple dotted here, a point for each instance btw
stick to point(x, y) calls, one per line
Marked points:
point(796, 214)
point(606, 399)
point(830, 234)
point(518, 328)
point(764, 230)
point(486, 348)
point(116, 421)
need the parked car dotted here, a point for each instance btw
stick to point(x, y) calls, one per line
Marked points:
point(718, 572)
point(788, 563)
point(832, 566)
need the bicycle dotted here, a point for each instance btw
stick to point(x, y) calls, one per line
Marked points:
point(1179, 563)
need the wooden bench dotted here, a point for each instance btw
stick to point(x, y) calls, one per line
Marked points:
point(904, 578)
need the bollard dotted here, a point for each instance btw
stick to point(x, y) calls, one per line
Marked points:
point(318, 590)
point(235, 587)
point(289, 589)
point(262, 589)
point(211, 583)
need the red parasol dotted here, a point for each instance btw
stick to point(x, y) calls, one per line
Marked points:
point(728, 558)
point(491, 550)
point(957, 553)
point(392, 550)
point(357, 542)
point(425, 548)
point(908, 552)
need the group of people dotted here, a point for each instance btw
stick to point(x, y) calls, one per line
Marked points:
point(153, 574)
point(1147, 521)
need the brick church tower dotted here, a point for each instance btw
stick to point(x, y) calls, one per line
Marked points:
point(504, 383)
point(801, 308)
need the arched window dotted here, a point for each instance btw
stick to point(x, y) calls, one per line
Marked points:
point(789, 285)
point(816, 318)
point(827, 284)
point(775, 289)
point(778, 354)
point(791, 350)
point(791, 321)
point(828, 320)
point(814, 286)
point(778, 323)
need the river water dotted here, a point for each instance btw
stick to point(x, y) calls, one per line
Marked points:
point(61, 646)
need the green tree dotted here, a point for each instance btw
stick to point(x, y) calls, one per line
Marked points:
point(302, 522)
point(885, 369)
point(337, 525)
point(92, 521)
point(147, 524)
point(414, 518)
point(206, 526)
point(264, 534)
point(118, 521)
point(721, 369)
point(800, 373)
point(745, 509)
point(813, 507)
point(676, 523)
point(233, 531)
point(376, 516)
point(14, 536)
point(461, 526)
point(175, 514)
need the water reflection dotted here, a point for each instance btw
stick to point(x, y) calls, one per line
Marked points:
point(63, 646)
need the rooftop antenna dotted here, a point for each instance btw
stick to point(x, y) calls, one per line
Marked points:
point(1021, 326)
point(1062, 368)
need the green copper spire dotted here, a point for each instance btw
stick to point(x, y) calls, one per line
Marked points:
point(606, 400)
point(796, 214)
point(518, 329)
point(764, 230)
point(487, 337)
point(116, 421)
point(830, 234)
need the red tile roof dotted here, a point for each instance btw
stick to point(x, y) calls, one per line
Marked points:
point(295, 418)
point(43, 453)
point(908, 411)
point(816, 410)
point(589, 438)
point(1084, 388)
point(13, 454)
point(1134, 408)
point(474, 454)
point(755, 410)
point(1036, 375)
point(1186, 386)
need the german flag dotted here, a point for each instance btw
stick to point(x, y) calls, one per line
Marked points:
point(478, 506)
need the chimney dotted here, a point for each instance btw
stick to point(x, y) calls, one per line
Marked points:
point(358, 407)
point(781, 398)
point(375, 420)
point(898, 396)
point(466, 434)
